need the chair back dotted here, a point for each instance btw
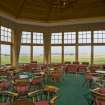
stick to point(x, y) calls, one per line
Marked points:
point(82, 68)
point(21, 87)
point(37, 80)
point(4, 85)
point(71, 68)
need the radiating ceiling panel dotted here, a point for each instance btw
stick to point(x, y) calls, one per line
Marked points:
point(45, 10)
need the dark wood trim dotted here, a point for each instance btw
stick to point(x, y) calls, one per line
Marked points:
point(62, 47)
point(76, 50)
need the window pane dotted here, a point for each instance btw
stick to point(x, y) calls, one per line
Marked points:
point(99, 36)
point(26, 37)
point(99, 54)
point(37, 38)
point(5, 54)
point(24, 56)
point(84, 37)
point(69, 36)
point(38, 53)
point(69, 53)
point(84, 53)
point(56, 38)
point(56, 53)
point(6, 34)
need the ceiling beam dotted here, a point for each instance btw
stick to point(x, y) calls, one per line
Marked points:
point(20, 8)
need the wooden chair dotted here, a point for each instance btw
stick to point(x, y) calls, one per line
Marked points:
point(50, 90)
point(4, 84)
point(40, 98)
point(56, 75)
point(72, 68)
point(99, 96)
point(22, 88)
point(82, 68)
point(7, 97)
point(37, 81)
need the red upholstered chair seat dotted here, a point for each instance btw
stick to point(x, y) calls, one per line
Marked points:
point(36, 81)
point(42, 103)
point(4, 85)
point(21, 87)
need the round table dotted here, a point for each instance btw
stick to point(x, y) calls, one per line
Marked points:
point(24, 75)
point(100, 72)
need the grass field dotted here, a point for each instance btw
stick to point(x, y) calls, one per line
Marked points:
point(5, 60)
point(26, 59)
point(99, 59)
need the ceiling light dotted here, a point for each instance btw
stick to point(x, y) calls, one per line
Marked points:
point(64, 3)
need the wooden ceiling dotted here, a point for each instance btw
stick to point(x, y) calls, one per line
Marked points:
point(44, 10)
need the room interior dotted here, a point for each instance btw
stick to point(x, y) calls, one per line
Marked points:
point(52, 52)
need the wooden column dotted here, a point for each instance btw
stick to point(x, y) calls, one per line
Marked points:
point(62, 47)
point(16, 46)
point(47, 45)
point(92, 49)
point(76, 54)
point(31, 58)
point(0, 44)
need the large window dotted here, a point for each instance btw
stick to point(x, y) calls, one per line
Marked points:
point(5, 46)
point(99, 54)
point(37, 38)
point(56, 54)
point(38, 53)
point(5, 34)
point(56, 51)
point(56, 38)
point(99, 36)
point(84, 37)
point(84, 53)
point(5, 54)
point(69, 53)
point(31, 46)
point(69, 37)
point(24, 56)
point(26, 37)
